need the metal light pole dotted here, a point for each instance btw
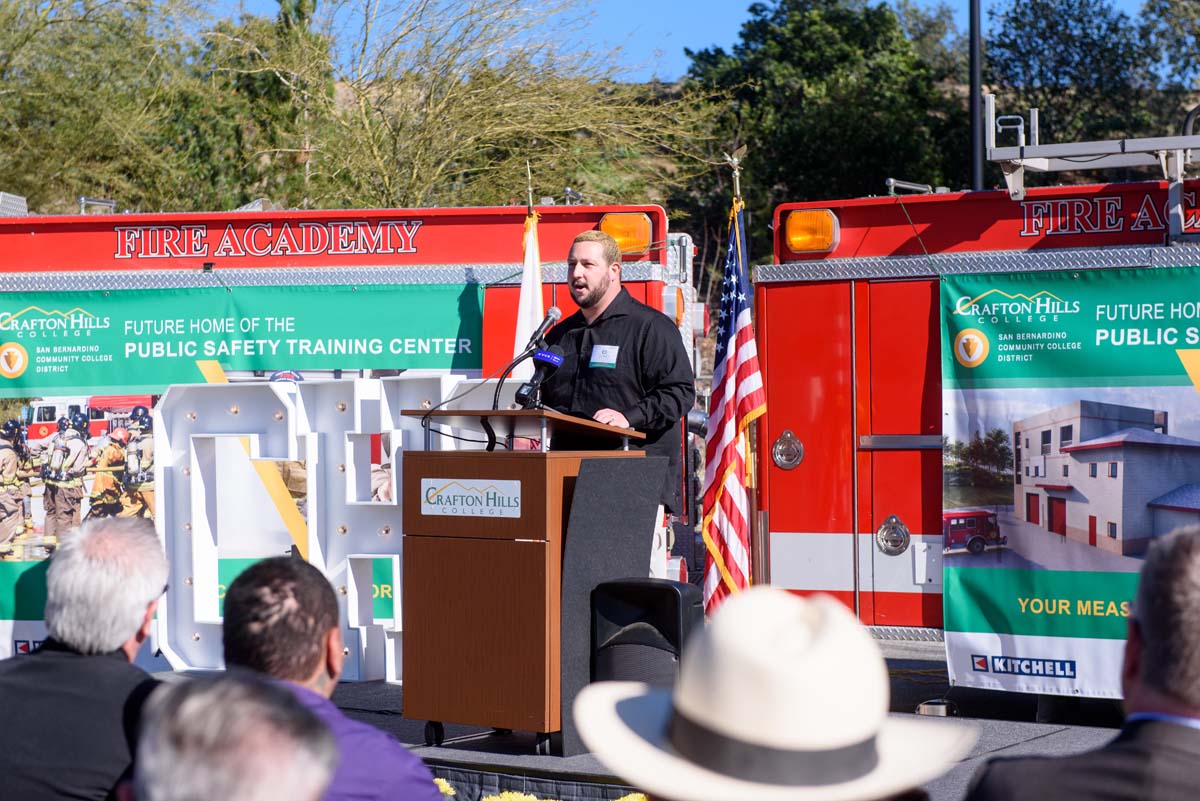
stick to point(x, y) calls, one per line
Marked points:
point(976, 108)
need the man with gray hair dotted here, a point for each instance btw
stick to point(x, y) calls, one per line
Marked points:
point(232, 737)
point(71, 709)
point(1155, 756)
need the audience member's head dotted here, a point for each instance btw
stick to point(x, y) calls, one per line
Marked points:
point(234, 737)
point(780, 697)
point(281, 619)
point(103, 585)
point(1162, 653)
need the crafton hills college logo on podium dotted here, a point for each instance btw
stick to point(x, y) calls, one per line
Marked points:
point(464, 497)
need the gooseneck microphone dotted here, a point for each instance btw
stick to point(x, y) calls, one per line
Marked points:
point(553, 315)
point(545, 363)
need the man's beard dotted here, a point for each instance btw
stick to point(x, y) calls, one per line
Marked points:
point(593, 297)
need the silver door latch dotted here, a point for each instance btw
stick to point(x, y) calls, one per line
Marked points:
point(893, 536)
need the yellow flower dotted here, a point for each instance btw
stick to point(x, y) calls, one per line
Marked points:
point(509, 795)
point(633, 797)
point(444, 787)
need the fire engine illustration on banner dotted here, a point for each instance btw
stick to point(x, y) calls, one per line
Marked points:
point(1071, 440)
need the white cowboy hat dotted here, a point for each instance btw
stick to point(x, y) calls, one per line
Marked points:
point(781, 697)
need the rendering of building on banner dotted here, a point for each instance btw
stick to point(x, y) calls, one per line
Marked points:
point(1105, 474)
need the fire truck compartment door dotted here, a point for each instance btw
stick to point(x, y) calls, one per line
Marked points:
point(805, 343)
point(897, 392)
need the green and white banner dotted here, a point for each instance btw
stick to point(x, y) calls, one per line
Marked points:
point(142, 340)
point(1072, 431)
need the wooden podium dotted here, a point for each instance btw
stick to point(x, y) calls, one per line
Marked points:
point(482, 572)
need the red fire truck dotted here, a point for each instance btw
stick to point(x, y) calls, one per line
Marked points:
point(86, 255)
point(972, 531)
point(850, 490)
point(105, 412)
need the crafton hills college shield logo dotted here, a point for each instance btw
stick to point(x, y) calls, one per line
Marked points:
point(14, 360)
point(971, 347)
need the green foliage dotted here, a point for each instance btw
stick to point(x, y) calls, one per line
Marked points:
point(83, 87)
point(1082, 63)
point(1172, 29)
point(243, 123)
point(412, 103)
point(831, 98)
point(936, 39)
point(10, 408)
point(442, 102)
point(987, 452)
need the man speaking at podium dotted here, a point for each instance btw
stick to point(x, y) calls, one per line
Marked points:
point(624, 363)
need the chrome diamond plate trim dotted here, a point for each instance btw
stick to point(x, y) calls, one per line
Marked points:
point(503, 274)
point(12, 205)
point(681, 253)
point(1002, 261)
point(906, 633)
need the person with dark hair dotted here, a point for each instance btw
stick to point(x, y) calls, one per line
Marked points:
point(1154, 757)
point(282, 620)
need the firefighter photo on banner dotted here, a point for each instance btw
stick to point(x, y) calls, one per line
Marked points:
point(1071, 440)
point(73, 450)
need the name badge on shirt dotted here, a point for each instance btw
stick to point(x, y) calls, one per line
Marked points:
point(604, 356)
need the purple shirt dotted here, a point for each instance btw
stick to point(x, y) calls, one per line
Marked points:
point(372, 764)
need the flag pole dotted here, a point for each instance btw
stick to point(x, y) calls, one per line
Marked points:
point(528, 187)
point(735, 163)
point(737, 400)
point(759, 564)
point(530, 301)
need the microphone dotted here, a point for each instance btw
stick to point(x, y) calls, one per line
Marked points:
point(553, 315)
point(546, 362)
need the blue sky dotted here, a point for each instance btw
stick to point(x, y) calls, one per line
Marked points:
point(668, 26)
point(654, 33)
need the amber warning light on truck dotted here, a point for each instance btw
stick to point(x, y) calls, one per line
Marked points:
point(812, 231)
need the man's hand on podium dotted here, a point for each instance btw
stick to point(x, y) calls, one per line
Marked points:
point(611, 417)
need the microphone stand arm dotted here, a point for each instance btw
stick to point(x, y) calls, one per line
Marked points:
point(528, 352)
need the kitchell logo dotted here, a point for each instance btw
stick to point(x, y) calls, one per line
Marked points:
point(464, 497)
point(1024, 666)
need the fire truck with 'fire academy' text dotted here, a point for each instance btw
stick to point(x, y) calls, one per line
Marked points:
point(71, 275)
point(854, 461)
point(849, 339)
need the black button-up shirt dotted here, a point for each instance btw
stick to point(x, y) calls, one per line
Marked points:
point(631, 359)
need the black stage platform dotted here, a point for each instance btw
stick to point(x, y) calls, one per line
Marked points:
point(477, 762)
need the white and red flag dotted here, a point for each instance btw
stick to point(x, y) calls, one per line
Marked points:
point(529, 306)
point(737, 400)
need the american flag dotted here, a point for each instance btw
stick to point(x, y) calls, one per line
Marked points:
point(737, 399)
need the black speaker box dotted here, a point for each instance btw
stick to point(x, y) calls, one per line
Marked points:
point(639, 627)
